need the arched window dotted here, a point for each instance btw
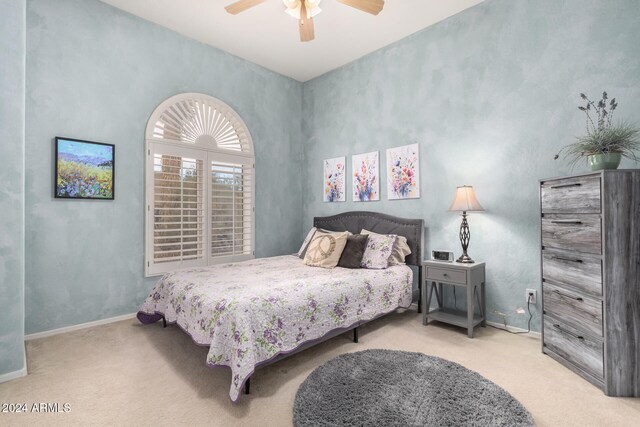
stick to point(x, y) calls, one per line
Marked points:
point(200, 185)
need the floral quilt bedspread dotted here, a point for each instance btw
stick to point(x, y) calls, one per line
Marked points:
point(251, 311)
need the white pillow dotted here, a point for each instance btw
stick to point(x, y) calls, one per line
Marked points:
point(310, 236)
point(400, 248)
point(305, 243)
point(379, 250)
point(325, 249)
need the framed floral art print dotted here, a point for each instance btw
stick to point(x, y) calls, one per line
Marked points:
point(366, 184)
point(403, 172)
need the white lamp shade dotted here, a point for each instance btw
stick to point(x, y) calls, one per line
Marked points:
point(294, 7)
point(465, 200)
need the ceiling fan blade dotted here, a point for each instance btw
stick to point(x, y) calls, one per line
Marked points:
point(306, 25)
point(370, 6)
point(306, 30)
point(242, 5)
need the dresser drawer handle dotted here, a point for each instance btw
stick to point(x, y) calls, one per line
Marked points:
point(567, 259)
point(567, 221)
point(567, 296)
point(564, 331)
point(445, 275)
point(575, 184)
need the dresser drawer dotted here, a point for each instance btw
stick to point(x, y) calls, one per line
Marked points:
point(577, 232)
point(571, 195)
point(578, 310)
point(444, 275)
point(583, 272)
point(585, 352)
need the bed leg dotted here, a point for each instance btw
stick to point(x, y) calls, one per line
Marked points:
point(420, 296)
point(247, 384)
point(164, 322)
point(355, 335)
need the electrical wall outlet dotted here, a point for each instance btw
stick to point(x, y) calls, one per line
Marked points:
point(531, 296)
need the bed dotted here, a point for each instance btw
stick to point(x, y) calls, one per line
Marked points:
point(251, 314)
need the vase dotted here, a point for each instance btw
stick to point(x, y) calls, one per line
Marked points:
point(602, 161)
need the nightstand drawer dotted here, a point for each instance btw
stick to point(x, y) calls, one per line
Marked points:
point(573, 195)
point(581, 271)
point(580, 350)
point(581, 311)
point(444, 275)
point(580, 233)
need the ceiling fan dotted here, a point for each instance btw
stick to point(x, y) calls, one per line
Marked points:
point(305, 10)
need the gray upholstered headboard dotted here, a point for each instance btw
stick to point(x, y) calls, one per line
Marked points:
point(412, 229)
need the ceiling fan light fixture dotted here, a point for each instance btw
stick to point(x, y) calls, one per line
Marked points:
point(294, 7)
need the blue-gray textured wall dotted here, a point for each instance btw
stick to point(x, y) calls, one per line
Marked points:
point(12, 60)
point(490, 95)
point(95, 72)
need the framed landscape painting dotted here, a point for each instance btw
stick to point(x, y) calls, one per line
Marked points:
point(366, 185)
point(334, 182)
point(84, 169)
point(403, 172)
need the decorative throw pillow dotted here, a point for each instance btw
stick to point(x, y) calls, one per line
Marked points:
point(400, 248)
point(305, 243)
point(378, 252)
point(354, 251)
point(310, 235)
point(325, 249)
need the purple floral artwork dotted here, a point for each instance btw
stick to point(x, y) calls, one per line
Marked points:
point(334, 180)
point(403, 172)
point(84, 169)
point(366, 185)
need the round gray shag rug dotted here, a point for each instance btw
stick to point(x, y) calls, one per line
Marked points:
point(399, 388)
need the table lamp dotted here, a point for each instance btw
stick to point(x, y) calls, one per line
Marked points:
point(465, 201)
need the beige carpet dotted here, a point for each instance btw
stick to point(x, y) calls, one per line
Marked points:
point(129, 374)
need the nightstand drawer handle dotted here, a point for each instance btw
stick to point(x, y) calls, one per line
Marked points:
point(567, 296)
point(567, 221)
point(567, 259)
point(575, 184)
point(445, 275)
point(564, 331)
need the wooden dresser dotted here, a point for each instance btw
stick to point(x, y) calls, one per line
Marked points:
point(590, 228)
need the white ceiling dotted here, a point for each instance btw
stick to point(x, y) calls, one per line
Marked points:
point(267, 36)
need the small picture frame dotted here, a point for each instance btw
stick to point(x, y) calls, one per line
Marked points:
point(84, 169)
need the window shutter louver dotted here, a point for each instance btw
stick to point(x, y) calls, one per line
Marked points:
point(231, 209)
point(178, 209)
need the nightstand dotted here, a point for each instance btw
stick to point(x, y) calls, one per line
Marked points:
point(469, 276)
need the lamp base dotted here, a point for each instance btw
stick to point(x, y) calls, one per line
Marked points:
point(465, 259)
point(465, 236)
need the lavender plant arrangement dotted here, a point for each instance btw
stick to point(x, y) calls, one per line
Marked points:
point(606, 142)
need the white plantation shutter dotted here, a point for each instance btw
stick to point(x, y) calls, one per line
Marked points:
point(199, 120)
point(231, 210)
point(176, 209)
point(200, 185)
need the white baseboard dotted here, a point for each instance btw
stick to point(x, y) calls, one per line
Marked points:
point(132, 315)
point(52, 332)
point(16, 374)
point(13, 375)
point(514, 329)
